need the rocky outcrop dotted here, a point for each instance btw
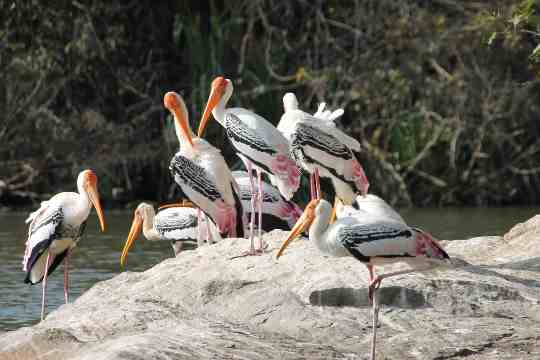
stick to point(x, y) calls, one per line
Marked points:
point(203, 304)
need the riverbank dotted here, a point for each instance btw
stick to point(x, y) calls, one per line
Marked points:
point(205, 305)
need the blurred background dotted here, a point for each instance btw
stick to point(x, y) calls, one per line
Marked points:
point(443, 94)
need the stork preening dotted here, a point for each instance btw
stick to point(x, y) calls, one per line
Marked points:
point(202, 174)
point(257, 142)
point(55, 229)
point(321, 149)
point(277, 212)
point(371, 204)
point(177, 224)
point(371, 239)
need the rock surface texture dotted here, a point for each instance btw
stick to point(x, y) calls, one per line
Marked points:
point(205, 305)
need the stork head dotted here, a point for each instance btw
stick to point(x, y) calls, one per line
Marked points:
point(87, 182)
point(303, 223)
point(176, 105)
point(220, 92)
point(290, 102)
point(141, 212)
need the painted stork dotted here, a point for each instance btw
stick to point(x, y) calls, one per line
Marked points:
point(371, 204)
point(277, 212)
point(257, 142)
point(323, 150)
point(371, 239)
point(177, 224)
point(202, 174)
point(55, 229)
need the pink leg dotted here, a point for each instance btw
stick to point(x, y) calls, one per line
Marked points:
point(66, 276)
point(260, 203)
point(312, 186)
point(252, 217)
point(44, 285)
point(317, 184)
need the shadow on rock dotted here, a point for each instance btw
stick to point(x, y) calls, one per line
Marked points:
point(391, 296)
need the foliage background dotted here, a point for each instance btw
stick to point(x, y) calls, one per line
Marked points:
point(443, 94)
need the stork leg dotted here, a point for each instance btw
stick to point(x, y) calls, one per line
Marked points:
point(260, 204)
point(317, 184)
point(251, 250)
point(66, 276)
point(312, 186)
point(376, 282)
point(44, 285)
point(375, 323)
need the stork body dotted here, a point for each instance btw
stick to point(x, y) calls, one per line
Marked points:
point(175, 224)
point(202, 174)
point(371, 204)
point(371, 239)
point(257, 142)
point(277, 212)
point(55, 228)
point(323, 150)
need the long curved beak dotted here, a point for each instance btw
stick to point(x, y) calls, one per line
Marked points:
point(183, 123)
point(213, 100)
point(94, 198)
point(134, 232)
point(304, 222)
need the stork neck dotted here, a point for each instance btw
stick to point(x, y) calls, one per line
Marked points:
point(181, 138)
point(148, 225)
point(219, 110)
point(317, 232)
point(83, 199)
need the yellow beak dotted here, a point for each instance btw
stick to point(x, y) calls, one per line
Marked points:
point(171, 102)
point(303, 223)
point(213, 100)
point(134, 232)
point(94, 198)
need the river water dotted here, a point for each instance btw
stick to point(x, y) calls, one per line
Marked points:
point(97, 256)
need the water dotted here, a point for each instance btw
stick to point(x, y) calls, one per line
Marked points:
point(97, 256)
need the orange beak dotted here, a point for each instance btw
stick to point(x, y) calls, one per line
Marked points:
point(171, 100)
point(134, 232)
point(216, 93)
point(91, 190)
point(303, 223)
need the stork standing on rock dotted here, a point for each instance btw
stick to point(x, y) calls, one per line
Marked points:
point(56, 228)
point(371, 239)
point(177, 224)
point(258, 144)
point(202, 174)
point(321, 149)
point(278, 212)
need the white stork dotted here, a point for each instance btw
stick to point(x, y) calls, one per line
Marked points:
point(371, 239)
point(55, 229)
point(202, 174)
point(177, 224)
point(322, 149)
point(257, 142)
point(277, 212)
point(371, 204)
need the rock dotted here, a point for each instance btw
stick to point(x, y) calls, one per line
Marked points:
point(205, 305)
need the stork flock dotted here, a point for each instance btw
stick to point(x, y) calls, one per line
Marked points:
point(217, 202)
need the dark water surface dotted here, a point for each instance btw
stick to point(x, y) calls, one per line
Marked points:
point(97, 256)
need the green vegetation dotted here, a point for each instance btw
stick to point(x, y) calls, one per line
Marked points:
point(443, 94)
